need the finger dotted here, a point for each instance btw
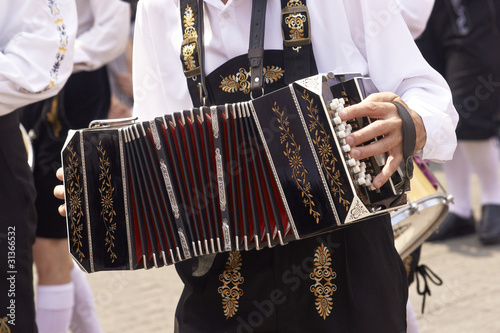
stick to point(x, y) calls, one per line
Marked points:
point(389, 168)
point(376, 129)
point(386, 144)
point(382, 97)
point(62, 210)
point(60, 173)
point(374, 106)
point(59, 192)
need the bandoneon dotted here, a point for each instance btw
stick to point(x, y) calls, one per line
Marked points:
point(212, 179)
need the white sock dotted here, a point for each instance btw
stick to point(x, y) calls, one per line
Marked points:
point(84, 318)
point(484, 157)
point(411, 319)
point(458, 173)
point(54, 307)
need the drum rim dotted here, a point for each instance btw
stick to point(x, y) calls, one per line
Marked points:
point(425, 201)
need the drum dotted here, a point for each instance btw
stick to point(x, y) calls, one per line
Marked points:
point(427, 206)
point(28, 146)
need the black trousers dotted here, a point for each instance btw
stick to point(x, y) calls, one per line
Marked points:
point(348, 281)
point(465, 49)
point(85, 97)
point(17, 231)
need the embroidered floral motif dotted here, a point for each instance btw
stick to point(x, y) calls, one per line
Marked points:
point(189, 22)
point(189, 47)
point(322, 275)
point(294, 3)
point(239, 82)
point(295, 23)
point(407, 263)
point(106, 192)
point(292, 152)
point(231, 279)
point(75, 211)
point(63, 47)
point(4, 328)
point(53, 117)
point(321, 139)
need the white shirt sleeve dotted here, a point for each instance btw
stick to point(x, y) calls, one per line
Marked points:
point(416, 14)
point(36, 50)
point(107, 37)
point(395, 64)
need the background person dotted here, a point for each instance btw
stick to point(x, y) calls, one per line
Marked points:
point(64, 299)
point(462, 42)
point(36, 58)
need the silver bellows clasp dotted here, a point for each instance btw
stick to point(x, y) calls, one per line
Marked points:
point(112, 122)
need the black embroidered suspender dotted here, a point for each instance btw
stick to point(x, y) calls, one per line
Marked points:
point(192, 50)
point(297, 49)
point(296, 28)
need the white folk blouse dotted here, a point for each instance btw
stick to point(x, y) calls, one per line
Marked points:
point(36, 50)
point(365, 36)
point(103, 31)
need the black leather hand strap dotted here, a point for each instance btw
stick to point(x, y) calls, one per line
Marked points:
point(409, 141)
point(256, 45)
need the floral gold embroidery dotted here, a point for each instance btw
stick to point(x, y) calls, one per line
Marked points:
point(295, 22)
point(292, 152)
point(232, 280)
point(322, 275)
point(187, 52)
point(294, 3)
point(53, 117)
point(75, 211)
point(107, 211)
point(189, 23)
point(239, 82)
point(321, 139)
point(236, 82)
point(189, 46)
point(407, 263)
point(295, 25)
point(272, 73)
point(4, 328)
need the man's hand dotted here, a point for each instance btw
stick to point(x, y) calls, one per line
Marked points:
point(388, 125)
point(59, 192)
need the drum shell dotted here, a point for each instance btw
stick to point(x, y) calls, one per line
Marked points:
point(427, 207)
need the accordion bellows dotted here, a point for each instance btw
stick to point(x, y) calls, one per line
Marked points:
point(233, 177)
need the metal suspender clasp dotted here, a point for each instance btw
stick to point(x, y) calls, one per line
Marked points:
point(190, 57)
point(295, 26)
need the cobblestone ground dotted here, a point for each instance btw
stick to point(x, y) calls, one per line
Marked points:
point(468, 301)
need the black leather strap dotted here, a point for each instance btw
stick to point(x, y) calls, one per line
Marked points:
point(202, 85)
point(191, 12)
point(409, 141)
point(256, 46)
point(298, 53)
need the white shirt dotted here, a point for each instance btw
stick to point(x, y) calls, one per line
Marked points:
point(103, 30)
point(365, 36)
point(416, 14)
point(36, 50)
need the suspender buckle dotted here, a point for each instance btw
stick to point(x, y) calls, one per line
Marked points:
point(190, 57)
point(295, 26)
